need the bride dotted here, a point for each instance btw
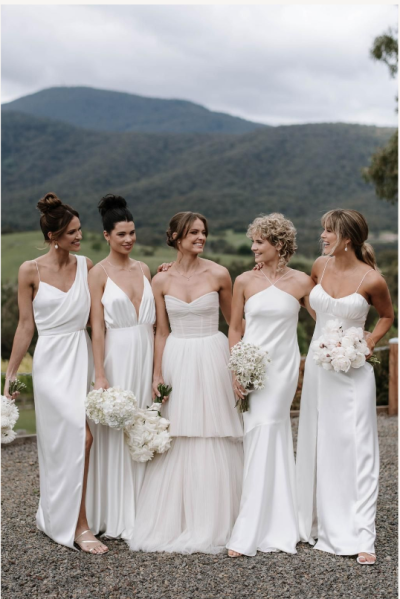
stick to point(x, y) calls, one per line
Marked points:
point(190, 495)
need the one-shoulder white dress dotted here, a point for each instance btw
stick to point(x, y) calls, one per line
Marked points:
point(268, 510)
point(114, 479)
point(61, 364)
point(190, 495)
point(337, 452)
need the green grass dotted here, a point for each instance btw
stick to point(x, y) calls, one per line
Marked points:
point(26, 421)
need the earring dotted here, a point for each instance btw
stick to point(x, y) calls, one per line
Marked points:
point(345, 249)
point(56, 246)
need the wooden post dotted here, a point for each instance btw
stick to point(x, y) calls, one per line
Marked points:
point(393, 377)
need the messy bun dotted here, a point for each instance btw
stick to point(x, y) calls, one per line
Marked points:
point(180, 224)
point(113, 209)
point(55, 216)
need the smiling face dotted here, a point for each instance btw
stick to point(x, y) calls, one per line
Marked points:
point(195, 238)
point(263, 250)
point(122, 238)
point(70, 241)
point(331, 244)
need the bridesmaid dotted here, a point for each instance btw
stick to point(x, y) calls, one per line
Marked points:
point(270, 298)
point(337, 452)
point(190, 495)
point(122, 318)
point(61, 363)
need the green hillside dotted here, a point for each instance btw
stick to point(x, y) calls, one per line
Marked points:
point(103, 110)
point(300, 170)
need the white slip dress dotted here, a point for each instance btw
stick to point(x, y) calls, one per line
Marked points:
point(61, 364)
point(268, 509)
point(337, 466)
point(190, 496)
point(114, 479)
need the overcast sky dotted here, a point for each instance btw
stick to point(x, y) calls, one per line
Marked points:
point(272, 64)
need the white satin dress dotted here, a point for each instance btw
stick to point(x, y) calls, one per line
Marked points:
point(268, 509)
point(190, 496)
point(337, 451)
point(61, 364)
point(114, 479)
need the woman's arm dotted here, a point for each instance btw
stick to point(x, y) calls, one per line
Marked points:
point(379, 295)
point(26, 324)
point(162, 332)
point(307, 286)
point(97, 279)
point(236, 326)
point(225, 294)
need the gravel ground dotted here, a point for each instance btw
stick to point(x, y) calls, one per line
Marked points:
point(34, 566)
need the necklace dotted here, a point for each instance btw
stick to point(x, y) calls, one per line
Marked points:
point(182, 275)
point(120, 267)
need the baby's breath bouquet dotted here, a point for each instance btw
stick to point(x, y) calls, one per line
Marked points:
point(9, 417)
point(248, 362)
point(112, 407)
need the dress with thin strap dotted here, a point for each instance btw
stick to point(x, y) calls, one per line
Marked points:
point(268, 511)
point(114, 480)
point(337, 466)
point(190, 496)
point(61, 364)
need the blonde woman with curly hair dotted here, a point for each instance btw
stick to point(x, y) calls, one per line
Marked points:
point(337, 452)
point(270, 298)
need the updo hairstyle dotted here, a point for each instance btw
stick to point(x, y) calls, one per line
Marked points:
point(55, 216)
point(180, 224)
point(113, 209)
point(350, 224)
point(279, 231)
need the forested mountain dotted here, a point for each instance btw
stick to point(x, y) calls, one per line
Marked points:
point(300, 170)
point(103, 110)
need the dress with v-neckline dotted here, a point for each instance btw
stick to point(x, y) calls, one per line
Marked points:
point(53, 286)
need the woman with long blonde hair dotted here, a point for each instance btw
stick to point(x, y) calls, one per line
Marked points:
point(337, 453)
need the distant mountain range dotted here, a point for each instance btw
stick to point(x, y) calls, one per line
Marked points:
point(103, 110)
point(300, 170)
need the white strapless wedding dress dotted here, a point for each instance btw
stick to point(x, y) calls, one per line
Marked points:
point(337, 452)
point(190, 495)
point(114, 479)
point(268, 508)
point(61, 365)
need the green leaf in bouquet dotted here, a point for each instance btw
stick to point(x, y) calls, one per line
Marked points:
point(373, 360)
point(164, 390)
point(16, 386)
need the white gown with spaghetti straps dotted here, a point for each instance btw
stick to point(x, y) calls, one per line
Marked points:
point(268, 510)
point(337, 452)
point(114, 479)
point(61, 364)
point(190, 496)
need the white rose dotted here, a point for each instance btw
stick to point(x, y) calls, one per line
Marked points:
point(358, 361)
point(341, 363)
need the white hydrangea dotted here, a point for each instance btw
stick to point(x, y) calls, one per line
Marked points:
point(148, 434)
point(112, 407)
point(340, 350)
point(9, 417)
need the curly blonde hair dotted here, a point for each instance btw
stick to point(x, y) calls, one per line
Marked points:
point(279, 231)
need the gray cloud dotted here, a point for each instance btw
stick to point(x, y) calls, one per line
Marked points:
point(274, 64)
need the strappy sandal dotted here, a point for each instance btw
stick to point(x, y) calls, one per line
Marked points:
point(77, 542)
point(365, 562)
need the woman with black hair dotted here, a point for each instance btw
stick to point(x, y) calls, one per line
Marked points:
point(122, 318)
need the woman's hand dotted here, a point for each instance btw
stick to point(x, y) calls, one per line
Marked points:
point(101, 383)
point(158, 381)
point(164, 266)
point(6, 391)
point(258, 266)
point(370, 342)
point(238, 389)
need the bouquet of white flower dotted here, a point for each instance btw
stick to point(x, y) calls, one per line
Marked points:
point(341, 350)
point(248, 362)
point(9, 417)
point(148, 434)
point(112, 407)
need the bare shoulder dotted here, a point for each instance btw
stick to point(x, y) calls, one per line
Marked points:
point(27, 271)
point(244, 279)
point(374, 281)
point(159, 280)
point(89, 263)
point(303, 278)
point(320, 264)
point(146, 270)
point(214, 267)
point(96, 271)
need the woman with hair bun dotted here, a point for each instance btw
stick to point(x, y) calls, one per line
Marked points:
point(122, 319)
point(337, 452)
point(270, 297)
point(53, 293)
point(190, 495)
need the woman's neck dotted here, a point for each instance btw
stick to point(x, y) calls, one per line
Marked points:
point(59, 256)
point(187, 262)
point(271, 269)
point(118, 259)
point(346, 261)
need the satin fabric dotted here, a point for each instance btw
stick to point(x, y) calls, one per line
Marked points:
point(60, 382)
point(114, 479)
point(268, 510)
point(190, 495)
point(337, 452)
